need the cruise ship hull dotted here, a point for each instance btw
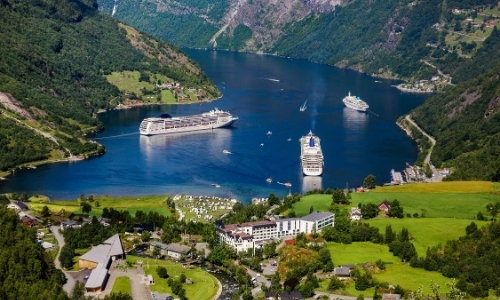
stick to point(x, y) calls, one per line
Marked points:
point(311, 156)
point(349, 105)
point(211, 120)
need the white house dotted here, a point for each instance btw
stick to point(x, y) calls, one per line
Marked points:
point(246, 235)
point(355, 214)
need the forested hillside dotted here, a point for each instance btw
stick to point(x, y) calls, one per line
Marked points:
point(465, 120)
point(411, 40)
point(56, 55)
point(28, 271)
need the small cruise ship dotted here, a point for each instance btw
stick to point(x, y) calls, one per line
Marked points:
point(167, 124)
point(311, 155)
point(354, 102)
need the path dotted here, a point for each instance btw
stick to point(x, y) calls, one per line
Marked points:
point(139, 288)
point(427, 159)
point(43, 133)
point(70, 281)
point(448, 77)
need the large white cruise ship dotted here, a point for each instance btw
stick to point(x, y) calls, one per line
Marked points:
point(167, 124)
point(355, 103)
point(311, 155)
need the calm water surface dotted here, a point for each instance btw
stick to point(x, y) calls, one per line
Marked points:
point(265, 92)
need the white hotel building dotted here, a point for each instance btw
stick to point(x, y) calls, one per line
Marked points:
point(244, 236)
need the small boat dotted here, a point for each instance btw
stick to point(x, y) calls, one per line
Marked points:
point(226, 152)
point(269, 180)
point(262, 145)
point(289, 140)
point(288, 184)
point(269, 133)
point(304, 107)
point(215, 185)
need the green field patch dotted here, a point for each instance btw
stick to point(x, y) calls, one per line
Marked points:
point(436, 205)
point(167, 97)
point(426, 232)
point(318, 202)
point(128, 81)
point(204, 285)
point(396, 272)
point(442, 187)
point(131, 204)
point(122, 284)
point(360, 253)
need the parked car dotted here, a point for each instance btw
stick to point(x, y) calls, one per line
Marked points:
point(86, 278)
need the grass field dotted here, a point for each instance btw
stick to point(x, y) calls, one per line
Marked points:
point(204, 285)
point(461, 200)
point(167, 97)
point(442, 187)
point(396, 272)
point(122, 284)
point(445, 205)
point(132, 204)
point(128, 81)
point(426, 232)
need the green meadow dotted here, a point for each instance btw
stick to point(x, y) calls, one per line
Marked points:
point(122, 284)
point(131, 204)
point(204, 285)
point(460, 200)
point(396, 272)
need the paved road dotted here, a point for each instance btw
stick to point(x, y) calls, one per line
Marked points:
point(70, 283)
point(433, 141)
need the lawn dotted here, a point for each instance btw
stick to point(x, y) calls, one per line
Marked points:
point(442, 187)
point(128, 81)
point(122, 284)
point(204, 285)
point(396, 272)
point(318, 202)
point(444, 205)
point(426, 232)
point(167, 97)
point(131, 204)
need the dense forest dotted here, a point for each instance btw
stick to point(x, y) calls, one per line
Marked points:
point(55, 55)
point(28, 272)
point(466, 124)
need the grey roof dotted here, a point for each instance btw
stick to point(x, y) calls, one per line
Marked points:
point(102, 253)
point(291, 296)
point(116, 245)
point(97, 277)
point(69, 223)
point(179, 248)
point(22, 205)
point(161, 245)
point(343, 271)
point(316, 216)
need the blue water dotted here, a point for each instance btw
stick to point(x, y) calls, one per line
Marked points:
point(265, 92)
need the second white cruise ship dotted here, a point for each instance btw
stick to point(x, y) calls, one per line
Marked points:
point(354, 102)
point(166, 124)
point(311, 155)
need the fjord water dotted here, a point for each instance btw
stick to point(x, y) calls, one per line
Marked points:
point(265, 92)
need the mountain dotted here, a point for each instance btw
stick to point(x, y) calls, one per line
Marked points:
point(465, 121)
point(62, 62)
point(441, 40)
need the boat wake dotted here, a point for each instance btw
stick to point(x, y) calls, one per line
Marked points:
point(272, 79)
point(115, 136)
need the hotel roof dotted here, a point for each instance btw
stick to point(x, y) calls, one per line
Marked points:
point(316, 216)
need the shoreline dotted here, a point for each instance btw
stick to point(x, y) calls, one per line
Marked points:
point(129, 106)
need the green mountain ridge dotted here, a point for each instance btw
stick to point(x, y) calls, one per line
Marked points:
point(55, 58)
point(465, 122)
point(410, 40)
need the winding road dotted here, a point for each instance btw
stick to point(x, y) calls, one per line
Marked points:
point(70, 281)
point(433, 141)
